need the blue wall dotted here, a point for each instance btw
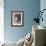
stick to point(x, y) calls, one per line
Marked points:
point(29, 7)
point(43, 6)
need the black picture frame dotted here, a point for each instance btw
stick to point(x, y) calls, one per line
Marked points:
point(17, 18)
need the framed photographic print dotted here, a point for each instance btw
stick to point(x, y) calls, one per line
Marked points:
point(17, 18)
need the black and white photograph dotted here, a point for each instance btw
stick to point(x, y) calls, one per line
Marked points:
point(17, 18)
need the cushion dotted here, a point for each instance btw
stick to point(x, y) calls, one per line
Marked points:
point(20, 42)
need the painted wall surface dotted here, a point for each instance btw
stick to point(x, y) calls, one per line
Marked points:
point(1, 21)
point(29, 7)
point(43, 6)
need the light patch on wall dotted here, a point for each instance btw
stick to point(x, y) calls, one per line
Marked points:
point(1, 3)
point(1, 21)
point(1, 25)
